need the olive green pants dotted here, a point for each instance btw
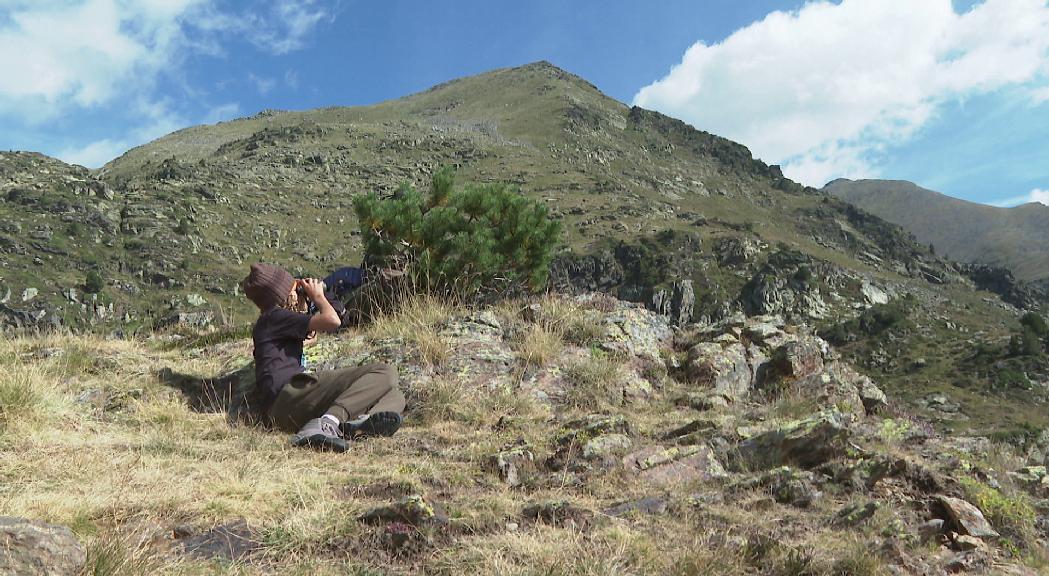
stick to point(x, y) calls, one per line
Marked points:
point(345, 394)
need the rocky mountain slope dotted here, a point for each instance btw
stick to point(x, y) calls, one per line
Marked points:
point(1015, 238)
point(550, 436)
point(654, 211)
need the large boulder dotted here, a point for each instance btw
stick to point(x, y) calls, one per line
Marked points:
point(722, 368)
point(637, 332)
point(967, 518)
point(800, 358)
point(29, 548)
point(674, 465)
point(806, 443)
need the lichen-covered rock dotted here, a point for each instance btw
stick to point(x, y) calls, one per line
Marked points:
point(514, 465)
point(806, 443)
point(636, 331)
point(798, 359)
point(674, 465)
point(855, 514)
point(559, 513)
point(30, 548)
point(787, 486)
point(606, 446)
point(724, 369)
point(413, 509)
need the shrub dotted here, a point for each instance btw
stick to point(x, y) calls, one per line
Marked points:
point(1025, 343)
point(872, 322)
point(479, 238)
point(1036, 323)
point(93, 283)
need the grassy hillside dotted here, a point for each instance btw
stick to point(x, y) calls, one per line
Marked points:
point(1016, 238)
point(541, 437)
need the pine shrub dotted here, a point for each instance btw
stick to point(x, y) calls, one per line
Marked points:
point(94, 283)
point(474, 240)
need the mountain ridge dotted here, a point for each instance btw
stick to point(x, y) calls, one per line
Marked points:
point(1016, 238)
point(654, 211)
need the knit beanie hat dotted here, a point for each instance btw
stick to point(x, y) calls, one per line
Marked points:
point(267, 285)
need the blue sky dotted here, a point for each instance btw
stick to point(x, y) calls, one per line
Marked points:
point(953, 96)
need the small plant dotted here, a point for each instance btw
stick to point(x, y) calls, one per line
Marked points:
point(183, 227)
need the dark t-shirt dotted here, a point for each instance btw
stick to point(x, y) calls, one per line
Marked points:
point(278, 336)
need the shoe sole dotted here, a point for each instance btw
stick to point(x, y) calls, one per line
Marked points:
point(322, 442)
point(379, 424)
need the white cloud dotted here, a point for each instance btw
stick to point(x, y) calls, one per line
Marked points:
point(221, 113)
point(1036, 195)
point(57, 55)
point(291, 78)
point(62, 57)
point(156, 120)
point(262, 84)
point(825, 89)
point(279, 27)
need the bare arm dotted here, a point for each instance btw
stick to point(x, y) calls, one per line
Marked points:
point(326, 319)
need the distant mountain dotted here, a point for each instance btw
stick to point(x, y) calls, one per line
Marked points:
point(1016, 238)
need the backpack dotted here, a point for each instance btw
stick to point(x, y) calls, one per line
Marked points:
point(345, 280)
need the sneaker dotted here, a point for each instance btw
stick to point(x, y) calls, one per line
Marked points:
point(321, 434)
point(378, 424)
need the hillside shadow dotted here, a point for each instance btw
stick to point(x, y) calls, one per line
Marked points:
point(232, 394)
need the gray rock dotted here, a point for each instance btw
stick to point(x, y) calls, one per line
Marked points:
point(647, 505)
point(966, 517)
point(514, 465)
point(413, 509)
point(806, 443)
point(674, 465)
point(30, 548)
point(29, 293)
point(798, 359)
point(723, 369)
point(196, 300)
point(606, 446)
point(231, 541)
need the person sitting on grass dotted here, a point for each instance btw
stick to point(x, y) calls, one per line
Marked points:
point(323, 409)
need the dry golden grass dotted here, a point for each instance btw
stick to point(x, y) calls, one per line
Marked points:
point(122, 474)
point(417, 319)
point(539, 345)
